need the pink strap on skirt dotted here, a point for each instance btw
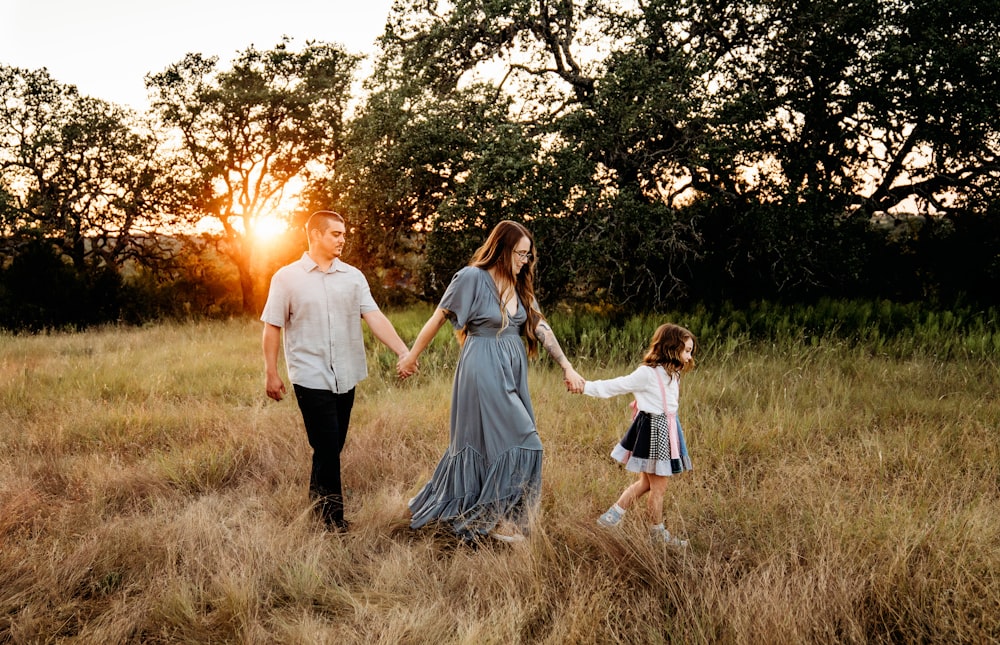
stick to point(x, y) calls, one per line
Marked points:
point(675, 442)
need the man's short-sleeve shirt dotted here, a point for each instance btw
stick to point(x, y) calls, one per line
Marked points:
point(320, 312)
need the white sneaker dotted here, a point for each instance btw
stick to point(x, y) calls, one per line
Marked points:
point(662, 536)
point(610, 518)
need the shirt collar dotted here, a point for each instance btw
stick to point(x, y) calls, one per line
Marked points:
point(309, 264)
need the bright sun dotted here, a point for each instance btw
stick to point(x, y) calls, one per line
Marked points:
point(269, 228)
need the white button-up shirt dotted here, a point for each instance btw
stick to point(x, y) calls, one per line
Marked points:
point(644, 385)
point(320, 313)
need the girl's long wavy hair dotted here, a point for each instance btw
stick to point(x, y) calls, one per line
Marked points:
point(666, 347)
point(497, 253)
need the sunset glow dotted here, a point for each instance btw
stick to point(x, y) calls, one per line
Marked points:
point(269, 228)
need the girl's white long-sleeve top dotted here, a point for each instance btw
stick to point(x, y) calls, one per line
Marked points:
point(643, 384)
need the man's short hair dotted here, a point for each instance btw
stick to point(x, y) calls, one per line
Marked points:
point(320, 220)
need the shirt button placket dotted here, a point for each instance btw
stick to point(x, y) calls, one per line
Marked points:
point(328, 283)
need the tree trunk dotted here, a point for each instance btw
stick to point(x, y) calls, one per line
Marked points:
point(246, 285)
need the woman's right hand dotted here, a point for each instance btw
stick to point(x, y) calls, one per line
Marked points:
point(407, 365)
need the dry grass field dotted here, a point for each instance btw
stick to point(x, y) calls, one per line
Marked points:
point(150, 493)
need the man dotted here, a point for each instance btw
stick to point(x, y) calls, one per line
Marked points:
point(320, 301)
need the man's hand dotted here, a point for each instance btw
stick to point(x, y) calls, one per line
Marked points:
point(275, 387)
point(406, 366)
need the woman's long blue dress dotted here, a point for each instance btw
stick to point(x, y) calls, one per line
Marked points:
point(492, 469)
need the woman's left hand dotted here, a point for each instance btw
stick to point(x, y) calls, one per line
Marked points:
point(574, 382)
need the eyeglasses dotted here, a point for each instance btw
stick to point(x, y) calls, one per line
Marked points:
point(524, 255)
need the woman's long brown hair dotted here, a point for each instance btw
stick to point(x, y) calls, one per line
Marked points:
point(497, 253)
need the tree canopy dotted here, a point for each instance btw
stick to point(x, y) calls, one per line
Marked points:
point(82, 173)
point(248, 132)
point(661, 151)
point(664, 147)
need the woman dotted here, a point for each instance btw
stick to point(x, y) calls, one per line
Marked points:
point(489, 480)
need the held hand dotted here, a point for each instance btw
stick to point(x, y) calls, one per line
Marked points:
point(275, 387)
point(406, 366)
point(574, 382)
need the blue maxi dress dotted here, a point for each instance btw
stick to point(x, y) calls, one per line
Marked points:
point(492, 469)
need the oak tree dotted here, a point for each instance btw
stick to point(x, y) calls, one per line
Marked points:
point(251, 134)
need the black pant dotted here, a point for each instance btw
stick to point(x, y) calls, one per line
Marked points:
point(327, 416)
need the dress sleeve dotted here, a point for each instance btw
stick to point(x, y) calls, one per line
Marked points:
point(460, 295)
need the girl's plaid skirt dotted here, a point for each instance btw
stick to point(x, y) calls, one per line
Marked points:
point(645, 448)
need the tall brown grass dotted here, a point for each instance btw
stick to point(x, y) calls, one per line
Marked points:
point(150, 493)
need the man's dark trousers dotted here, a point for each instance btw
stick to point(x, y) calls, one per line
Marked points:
point(327, 416)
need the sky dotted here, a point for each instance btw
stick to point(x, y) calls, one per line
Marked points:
point(106, 47)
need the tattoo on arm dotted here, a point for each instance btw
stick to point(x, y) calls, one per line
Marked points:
point(549, 342)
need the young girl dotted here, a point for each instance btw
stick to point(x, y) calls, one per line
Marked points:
point(654, 444)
